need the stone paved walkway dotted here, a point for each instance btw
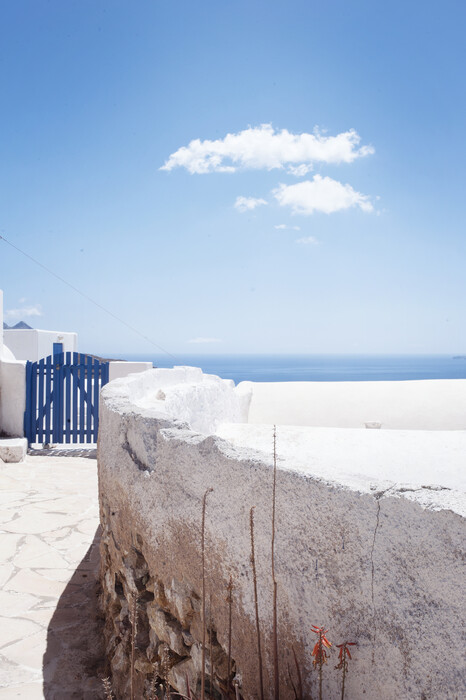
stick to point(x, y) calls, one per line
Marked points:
point(50, 642)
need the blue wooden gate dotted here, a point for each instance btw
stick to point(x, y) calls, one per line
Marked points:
point(62, 398)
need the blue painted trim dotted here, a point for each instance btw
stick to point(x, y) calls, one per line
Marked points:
point(27, 412)
point(48, 399)
point(40, 400)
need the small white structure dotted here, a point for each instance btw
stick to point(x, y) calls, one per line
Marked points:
point(12, 389)
point(18, 345)
point(120, 368)
point(33, 344)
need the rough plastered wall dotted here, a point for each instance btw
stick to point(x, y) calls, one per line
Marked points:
point(371, 566)
point(12, 397)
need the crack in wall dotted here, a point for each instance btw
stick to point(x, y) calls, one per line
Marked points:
point(406, 489)
point(377, 498)
point(133, 456)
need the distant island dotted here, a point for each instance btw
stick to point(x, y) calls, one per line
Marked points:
point(19, 326)
point(459, 357)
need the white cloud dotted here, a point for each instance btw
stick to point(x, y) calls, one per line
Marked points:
point(204, 340)
point(285, 226)
point(299, 170)
point(263, 147)
point(248, 203)
point(307, 240)
point(320, 194)
point(24, 312)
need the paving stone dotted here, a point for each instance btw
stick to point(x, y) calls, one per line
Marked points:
point(12, 603)
point(28, 691)
point(35, 553)
point(6, 572)
point(11, 675)
point(13, 629)
point(49, 511)
point(29, 651)
point(9, 546)
point(62, 575)
point(32, 521)
point(28, 581)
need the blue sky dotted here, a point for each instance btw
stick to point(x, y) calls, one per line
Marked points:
point(351, 234)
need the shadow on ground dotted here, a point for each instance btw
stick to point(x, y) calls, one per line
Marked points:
point(73, 663)
point(89, 452)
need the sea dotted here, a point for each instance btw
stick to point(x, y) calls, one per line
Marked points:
point(318, 368)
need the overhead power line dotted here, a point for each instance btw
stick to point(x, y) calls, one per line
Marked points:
point(88, 298)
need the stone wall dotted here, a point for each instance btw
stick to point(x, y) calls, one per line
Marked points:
point(370, 565)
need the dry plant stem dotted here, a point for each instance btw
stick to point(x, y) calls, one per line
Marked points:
point(108, 688)
point(134, 631)
point(276, 680)
point(204, 501)
point(256, 604)
point(321, 663)
point(343, 671)
point(230, 602)
point(210, 643)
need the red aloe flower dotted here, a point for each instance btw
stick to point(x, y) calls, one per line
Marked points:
point(319, 653)
point(344, 653)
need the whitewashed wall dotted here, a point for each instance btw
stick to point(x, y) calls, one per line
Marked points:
point(12, 388)
point(1, 321)
point(118, 369)
point(370, 564)
point(436, 404)
point(12, 397)
point(33, 344)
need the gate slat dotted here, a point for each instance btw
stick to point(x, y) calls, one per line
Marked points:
point(48, 398)
point(27, 412)
point(95, 409)
point(60, 358)
point(75, 389)
point(54, 399)
point(90, 379)
point(40, 417)
point(68, 397)
point(34, 403)
point(82, 381)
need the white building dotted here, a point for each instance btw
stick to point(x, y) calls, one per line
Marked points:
point(12, 387)
point(33, 344)
point(19, 345)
